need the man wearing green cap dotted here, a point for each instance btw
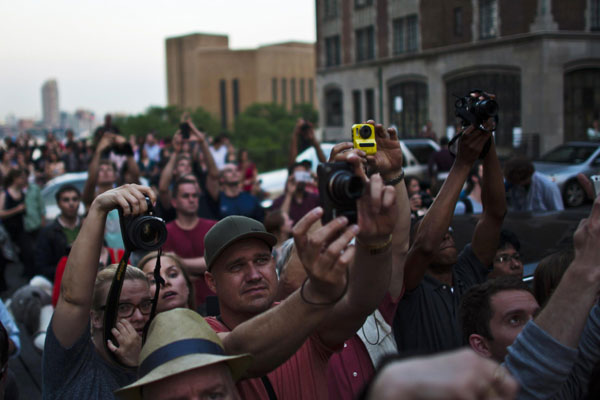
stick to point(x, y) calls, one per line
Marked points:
point(241, 271)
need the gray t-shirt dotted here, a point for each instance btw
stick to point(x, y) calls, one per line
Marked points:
point(79, 372)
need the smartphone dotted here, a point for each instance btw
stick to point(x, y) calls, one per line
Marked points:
point(596, 182)
point(184, 127)
point(302, 176)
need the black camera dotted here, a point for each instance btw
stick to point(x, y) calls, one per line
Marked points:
point(122, 149)
point(475, 108)
point(143, 232)
point(184, 127)
point(339, 188)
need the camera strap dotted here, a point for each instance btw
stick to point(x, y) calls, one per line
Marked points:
point(112, 304)
point(112, 301)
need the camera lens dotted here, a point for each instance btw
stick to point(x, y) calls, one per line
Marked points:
point(345, 187)
point(486, 108)
point(364, 132)
point(148, 233)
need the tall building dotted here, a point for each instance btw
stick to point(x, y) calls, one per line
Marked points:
point(403, 61)
point(203, 72)
point(51, 115)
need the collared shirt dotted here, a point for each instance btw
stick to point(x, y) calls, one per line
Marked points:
point(427, 317)
point(542, 195)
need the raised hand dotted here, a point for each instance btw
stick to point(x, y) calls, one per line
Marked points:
point(345, 152)
point(130, 198)
point(325, 254)
point(377, 212)
point(128, 341)
point(388, 159)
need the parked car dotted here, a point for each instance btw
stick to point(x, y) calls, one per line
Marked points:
point(415, 154)
point(76, 179)
point(563, 163)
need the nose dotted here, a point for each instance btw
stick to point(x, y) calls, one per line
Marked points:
point(137, 315)
point(252, 273)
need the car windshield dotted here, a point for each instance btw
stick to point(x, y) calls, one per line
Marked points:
point(421, 151)
point(569, 154)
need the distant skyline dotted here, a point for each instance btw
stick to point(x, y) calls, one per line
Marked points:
point(110, 56)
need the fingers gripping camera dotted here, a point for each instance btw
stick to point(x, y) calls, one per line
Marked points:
point(339, 188)
point(143, 232)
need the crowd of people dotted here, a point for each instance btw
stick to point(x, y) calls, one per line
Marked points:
point(258, 303)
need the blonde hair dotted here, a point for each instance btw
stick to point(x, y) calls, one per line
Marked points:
point(154, 255)
point(105, 277)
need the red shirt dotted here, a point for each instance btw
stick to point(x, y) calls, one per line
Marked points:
point(302, 376)
point(350, 370)
point(190, 244)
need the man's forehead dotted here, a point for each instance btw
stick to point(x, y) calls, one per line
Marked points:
point(507, 301)
point(243, 248)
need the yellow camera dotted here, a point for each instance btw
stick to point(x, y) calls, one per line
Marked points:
point(363, 138)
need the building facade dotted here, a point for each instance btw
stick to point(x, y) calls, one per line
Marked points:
point(403, 62)
point(50, 110)
point(203, 72)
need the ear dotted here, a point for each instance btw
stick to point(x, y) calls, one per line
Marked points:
point(97, 319)
point(210, 281)
point(480, 345)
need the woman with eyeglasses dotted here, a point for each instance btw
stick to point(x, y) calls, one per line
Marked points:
point(76, 363)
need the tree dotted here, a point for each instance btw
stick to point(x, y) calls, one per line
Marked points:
point(164, 121)
point(264, 129)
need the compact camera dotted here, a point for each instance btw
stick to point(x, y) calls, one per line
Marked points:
point(184, 128)
point(363, 138)
point(143, 232)
point(473, 110)
point(339, 188)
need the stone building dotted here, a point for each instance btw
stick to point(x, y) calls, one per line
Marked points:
point(50, 110)
point(402, 62)
point(203, 72)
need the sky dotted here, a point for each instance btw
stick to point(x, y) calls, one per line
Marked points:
point(109, 56)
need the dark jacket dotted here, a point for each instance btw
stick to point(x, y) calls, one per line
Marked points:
point(51, 246)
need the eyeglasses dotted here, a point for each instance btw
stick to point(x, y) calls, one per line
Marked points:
point(126, 310)
point(504, 258)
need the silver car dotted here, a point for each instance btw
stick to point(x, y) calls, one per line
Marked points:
point(563, 163)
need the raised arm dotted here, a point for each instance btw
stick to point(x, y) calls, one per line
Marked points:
point(273, 336)
point(434, 225)
point(72, 311)
point(371, 268)
point(89, 190)
point(212, 176)
point(166, 175)
point(487, 231)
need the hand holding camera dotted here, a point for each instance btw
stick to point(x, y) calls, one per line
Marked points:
point(130, 198)
point(325, 254)
point(377, 212)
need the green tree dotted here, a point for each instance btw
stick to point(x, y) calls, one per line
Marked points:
point(164, 121)
point(264, 129)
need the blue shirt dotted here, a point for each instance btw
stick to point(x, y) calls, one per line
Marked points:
point(542, 195)
point(10, 326)
point(243, 204)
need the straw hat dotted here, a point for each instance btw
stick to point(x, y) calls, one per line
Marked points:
point(180, 340)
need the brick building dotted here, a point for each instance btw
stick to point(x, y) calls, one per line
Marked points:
point(401, 62)
point(203, 72)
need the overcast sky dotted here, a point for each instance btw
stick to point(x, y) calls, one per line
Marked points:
point(109, 56)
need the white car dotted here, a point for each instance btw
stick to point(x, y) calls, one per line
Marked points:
point(76, 179)
point(415, 156)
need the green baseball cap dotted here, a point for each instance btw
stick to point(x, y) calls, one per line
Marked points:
point(228, 231)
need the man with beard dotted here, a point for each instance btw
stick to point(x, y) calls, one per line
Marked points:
point(296, 200)
point(436, 276)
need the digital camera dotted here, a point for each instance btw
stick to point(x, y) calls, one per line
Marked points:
point(184, 128)
point(143, 232)
point(474, 111)
point(363, 138)
point(339, 188)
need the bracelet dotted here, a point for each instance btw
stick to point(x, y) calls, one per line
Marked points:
point(377, 248)
point(396, 180)
point(312, 303)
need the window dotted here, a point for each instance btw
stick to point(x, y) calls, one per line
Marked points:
point(311, 91)
point(331, 9)
point(284, 91)
point(487, 19)
point(581, 102)
point(458, 21)
point(370, 103)
point(365, 44)
point(408, 107)
point(334, 107)
point(406, 31)
point(293, 90)
point(362, 3)
point(302, 100)
point(332, 51)
point(357, 106)
point(274, 89)
point(236, 98)
point(595, 15)
point(223, 92)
